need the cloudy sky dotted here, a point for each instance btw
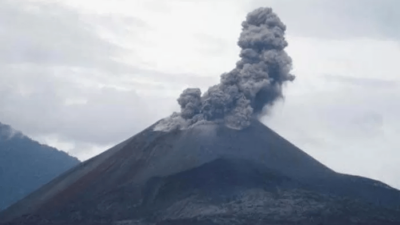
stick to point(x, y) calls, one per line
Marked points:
point(85, 75)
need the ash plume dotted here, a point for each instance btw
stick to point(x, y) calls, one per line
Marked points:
point(255, 82)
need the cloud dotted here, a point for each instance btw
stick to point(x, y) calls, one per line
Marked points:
point(362, 82)
point(48, 34)
point(49, 104)
point(351, 127)
point(63, 80)
point(211, 45)
point(342, 109)
point(340, 19)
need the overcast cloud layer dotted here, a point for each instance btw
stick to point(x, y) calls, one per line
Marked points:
point(338, 19)
point(74, 74)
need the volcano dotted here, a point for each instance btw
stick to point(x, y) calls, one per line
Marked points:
point(207, 174)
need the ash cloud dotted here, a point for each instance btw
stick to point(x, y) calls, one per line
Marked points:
point(255, 83)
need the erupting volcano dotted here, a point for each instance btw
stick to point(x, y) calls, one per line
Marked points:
point(214, 163)
point(254, 84)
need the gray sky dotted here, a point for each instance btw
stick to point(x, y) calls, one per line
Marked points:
point(84, 75)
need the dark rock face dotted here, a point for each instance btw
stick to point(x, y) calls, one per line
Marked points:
point(25, 165)
point(208, 174)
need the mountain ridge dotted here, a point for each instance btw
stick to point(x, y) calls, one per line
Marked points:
point(26, 164)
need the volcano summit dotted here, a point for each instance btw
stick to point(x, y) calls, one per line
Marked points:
point(212, 164)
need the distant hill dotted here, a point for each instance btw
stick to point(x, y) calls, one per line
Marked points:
point(25, 165)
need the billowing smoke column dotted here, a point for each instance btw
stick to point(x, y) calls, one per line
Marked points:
point(242, 93)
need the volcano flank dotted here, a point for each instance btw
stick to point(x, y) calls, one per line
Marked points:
point(207, 174)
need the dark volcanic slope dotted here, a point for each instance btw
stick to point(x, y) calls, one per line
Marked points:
point(25, 165)
point(210, 174)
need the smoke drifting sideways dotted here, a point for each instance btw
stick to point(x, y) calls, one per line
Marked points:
point(254, 84)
